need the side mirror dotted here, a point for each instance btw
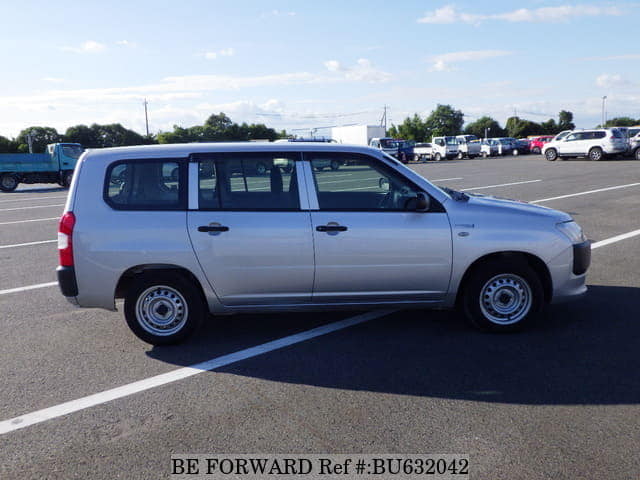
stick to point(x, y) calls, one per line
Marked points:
point(422, 202)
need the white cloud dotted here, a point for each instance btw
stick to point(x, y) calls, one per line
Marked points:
point(607, 80)
point(224, 52)
point(362, 71)
point(442, 62)
point(90, 46)
point(449, 14)
point(126, 43)
point(53, 80)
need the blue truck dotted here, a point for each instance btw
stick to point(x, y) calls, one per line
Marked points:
point(54, 166)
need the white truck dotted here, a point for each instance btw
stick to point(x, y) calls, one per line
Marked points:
point(468, 146)
point(357, 134)
point(444, 147)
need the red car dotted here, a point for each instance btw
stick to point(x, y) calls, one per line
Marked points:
point(537, 143)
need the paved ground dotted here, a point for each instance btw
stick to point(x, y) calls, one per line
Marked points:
point(558, 401)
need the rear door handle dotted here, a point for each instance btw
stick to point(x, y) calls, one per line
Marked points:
point(213, 228)
point(331, 228)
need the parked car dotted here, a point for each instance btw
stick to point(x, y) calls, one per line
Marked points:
point(506, 146)
point(595, 144)
point(444, 147)
point(468, 146)
point(521, 147)
point(536, 144)
point(489, 147)
point(422, 152)
point(634, 142)
point(178, 248)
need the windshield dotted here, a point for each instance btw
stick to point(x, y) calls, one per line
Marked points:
point(72, 151)
point(387, 143)
point(451, 140)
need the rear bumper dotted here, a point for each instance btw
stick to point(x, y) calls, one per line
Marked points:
point(581, 257)
point(67, 281)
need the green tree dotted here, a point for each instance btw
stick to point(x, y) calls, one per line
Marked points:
point(82, 134)
point(413, 128)
point(115, 135)
point(518, 127)
point(621, 122)
point(7, 145)
point(42, 136)
point(444, 120)
point(565, 120)
point(550, 127)
point(485, 126)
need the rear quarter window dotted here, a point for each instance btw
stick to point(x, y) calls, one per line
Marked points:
point(146, 185)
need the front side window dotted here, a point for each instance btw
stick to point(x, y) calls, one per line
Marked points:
point(246, 181)
point(145, 185)
point(361, 183)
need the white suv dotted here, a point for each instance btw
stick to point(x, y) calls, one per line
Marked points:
point(595, 144)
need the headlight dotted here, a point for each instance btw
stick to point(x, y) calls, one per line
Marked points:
point(572, 231)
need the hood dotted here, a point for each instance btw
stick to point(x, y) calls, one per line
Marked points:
point(517, 207)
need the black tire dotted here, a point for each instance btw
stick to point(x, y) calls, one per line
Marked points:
point(163, 289)
point(335, 165)
point(596, 154)
point(551, 154)
point(471, 157)
point(437, 157)
point(512, 279)
point(460, 155)
point(637, 154)
point(8, 182)
point(535, 150)
point(67, 177)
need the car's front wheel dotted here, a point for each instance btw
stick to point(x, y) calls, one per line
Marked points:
point(437, 157)
point(551, 154)
point(163, 308)
point(502, 296)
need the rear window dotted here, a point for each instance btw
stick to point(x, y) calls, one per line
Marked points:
point(145, 185)
point(614, 133)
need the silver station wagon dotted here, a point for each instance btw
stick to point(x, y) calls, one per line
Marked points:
point(183, 231)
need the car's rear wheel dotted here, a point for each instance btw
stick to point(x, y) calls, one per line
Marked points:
point(67, 177)
point(335, 165)
point(551, 154)
point(535, 150)
point(163, 308)
point(596, 154)
point(8, 182)
point(502, 295)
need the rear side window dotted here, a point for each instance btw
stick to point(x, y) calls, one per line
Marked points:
point(247, 181)
point(614, 133)
point(599, 134)
point(146, 185)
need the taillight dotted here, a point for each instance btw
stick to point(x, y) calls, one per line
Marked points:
point(65, 243)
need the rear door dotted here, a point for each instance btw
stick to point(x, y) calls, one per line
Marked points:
point(248, 230)
point(369, 245)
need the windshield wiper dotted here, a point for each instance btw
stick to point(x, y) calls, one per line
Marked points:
point(455, 194)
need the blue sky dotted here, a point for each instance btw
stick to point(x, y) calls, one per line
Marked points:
point(298, 65)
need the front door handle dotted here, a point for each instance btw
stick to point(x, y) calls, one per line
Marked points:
point(331, 228)
point(213, 228)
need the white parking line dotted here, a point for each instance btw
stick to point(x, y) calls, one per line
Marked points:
point(31, 198)
point(28, 287)
point(501, 185)
point(444, 179)
point(34, 206)
point(180, 374)
point(585, 193)
point(28, 221)
point(615, 239)
point(27, 244)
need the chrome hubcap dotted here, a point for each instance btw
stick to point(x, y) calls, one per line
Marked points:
point(161, 310)
point(505, 299)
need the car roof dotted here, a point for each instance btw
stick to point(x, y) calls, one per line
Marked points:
point(183, 150)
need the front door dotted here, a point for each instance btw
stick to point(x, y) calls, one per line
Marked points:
point(369, 244)
point(251, 238)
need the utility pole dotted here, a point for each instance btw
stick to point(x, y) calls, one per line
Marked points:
point(604, 116)
point(383, 120)
point(146, 115)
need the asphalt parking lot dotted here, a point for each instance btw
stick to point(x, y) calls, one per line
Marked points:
point(561, 400)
